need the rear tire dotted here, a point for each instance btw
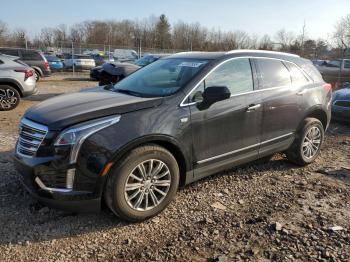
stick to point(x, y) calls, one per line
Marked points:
point(307, 144)
point(143, 183)
point(9, 98)
point(37, 76)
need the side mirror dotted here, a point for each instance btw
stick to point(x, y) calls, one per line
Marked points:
point(213, 94)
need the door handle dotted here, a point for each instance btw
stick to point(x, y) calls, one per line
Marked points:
point(253, 107)
point(302, 92)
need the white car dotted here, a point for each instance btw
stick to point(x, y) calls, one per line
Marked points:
point(80, 62)
point(17, 80)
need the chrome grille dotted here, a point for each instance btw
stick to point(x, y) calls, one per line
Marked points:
point(31, 135)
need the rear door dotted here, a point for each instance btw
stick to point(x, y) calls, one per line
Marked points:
point(32, 58)
point(228, 131)
point(281, 103)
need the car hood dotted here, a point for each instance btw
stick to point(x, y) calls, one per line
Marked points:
point(66, 110)
point(342, 94)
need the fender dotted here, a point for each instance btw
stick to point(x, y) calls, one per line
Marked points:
point(144, 140)
point(316, 109)
point(38, 69)
point(14, 82)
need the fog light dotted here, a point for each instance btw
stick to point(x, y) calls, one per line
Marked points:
point(70, 178)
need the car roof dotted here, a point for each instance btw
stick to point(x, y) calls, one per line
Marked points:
point(238, 52)
point(11, 57)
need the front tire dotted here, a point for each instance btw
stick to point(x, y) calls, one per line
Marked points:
point(306, 146)
point(143, 183)
point(9, 98)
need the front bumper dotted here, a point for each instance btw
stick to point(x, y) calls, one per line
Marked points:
point(72, 201)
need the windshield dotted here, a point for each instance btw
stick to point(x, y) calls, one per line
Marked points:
point(161, 78)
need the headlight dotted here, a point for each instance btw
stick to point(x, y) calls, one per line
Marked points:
point(76, 135)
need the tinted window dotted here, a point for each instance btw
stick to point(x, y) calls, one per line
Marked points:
point(161, 78)
point(298, 77)
point(273, 73)
point(1, 62)
point(30, 55)
point(347, 64)
point(52, 58)
point(12, 52)
point(236, 75)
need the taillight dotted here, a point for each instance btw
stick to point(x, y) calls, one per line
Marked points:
point(328, 87)
point(46, 65)
point(27, 72)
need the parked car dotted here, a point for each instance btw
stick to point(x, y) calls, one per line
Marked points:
point(341, 104)
point(101, 59)
point(112, 73)
point(335, 71)
point(175, 121)
point(54, 62)
point(125, 55)
point(33, 58)
point(120, 69)
point(319, 62)
point(17, 80)
point(148, 59)
point(80, 62)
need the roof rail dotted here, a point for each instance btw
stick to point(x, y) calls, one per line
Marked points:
point(260, 52)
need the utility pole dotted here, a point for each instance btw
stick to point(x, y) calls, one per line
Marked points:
point(73, 66)
point(303, 38)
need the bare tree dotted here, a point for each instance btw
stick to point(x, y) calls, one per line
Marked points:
point(3, 32)
point(284, 39)
point(265, 43)
point(342, 33)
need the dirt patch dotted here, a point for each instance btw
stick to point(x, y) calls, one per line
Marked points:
point(261, 211)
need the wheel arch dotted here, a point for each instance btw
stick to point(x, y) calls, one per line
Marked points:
point(38, 69)
point(167, 142)
point(13, 83)
point(319, 113)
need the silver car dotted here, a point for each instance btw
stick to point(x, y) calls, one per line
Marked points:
point(16, 80)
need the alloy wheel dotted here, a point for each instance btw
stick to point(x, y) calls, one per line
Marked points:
point(312, 142)
point(147, 185)
point(8, 98)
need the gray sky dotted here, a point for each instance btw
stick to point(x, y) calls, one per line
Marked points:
point(255, 17)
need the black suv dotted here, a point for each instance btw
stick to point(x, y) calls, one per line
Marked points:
point(35, 59)
point(168, 124)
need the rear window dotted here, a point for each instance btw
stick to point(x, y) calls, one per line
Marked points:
point(298, 77)
point(30, 55)
point(273, 73)
point(311, 70)
point(52, 58)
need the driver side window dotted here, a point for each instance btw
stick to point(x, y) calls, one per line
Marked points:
point(235, 74)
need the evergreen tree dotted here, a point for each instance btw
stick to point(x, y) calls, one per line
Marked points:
point(163, 35)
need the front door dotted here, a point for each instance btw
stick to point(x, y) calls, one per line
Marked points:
point(228, 132)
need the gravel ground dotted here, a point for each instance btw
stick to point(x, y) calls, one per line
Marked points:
point(259, 212)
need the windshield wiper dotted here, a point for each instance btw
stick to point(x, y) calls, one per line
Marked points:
point(128, 92)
